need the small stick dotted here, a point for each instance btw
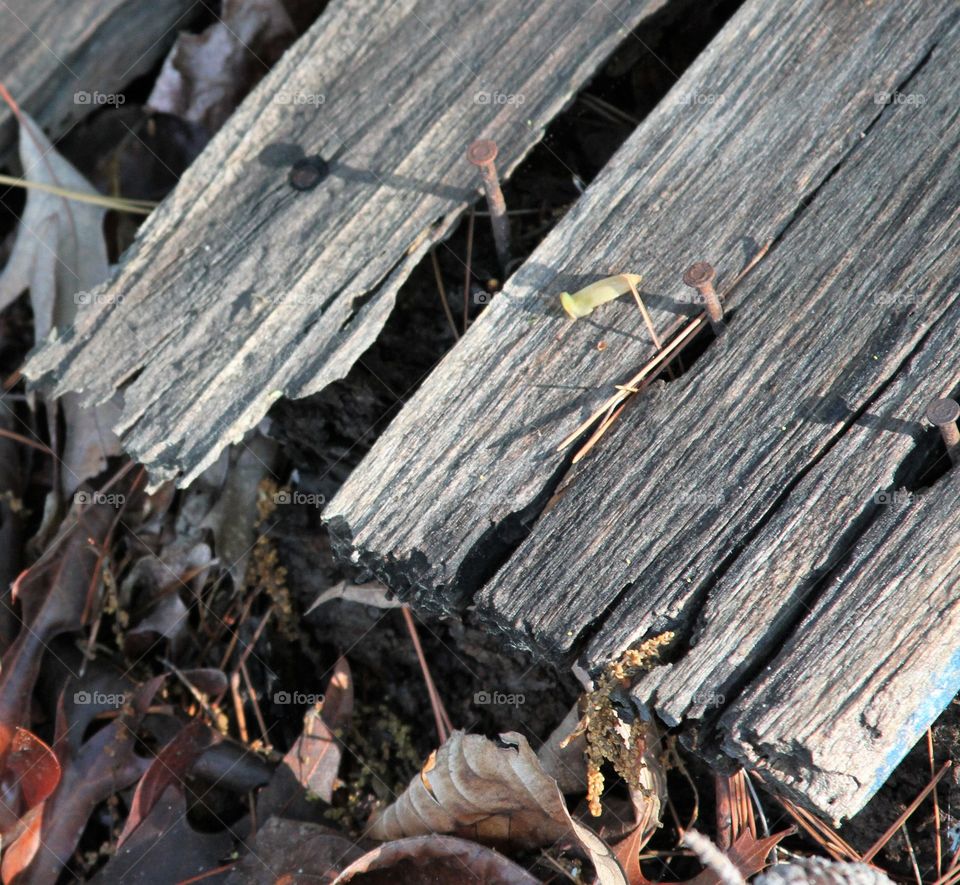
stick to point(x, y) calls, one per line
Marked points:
point(938, 848)
point(823, 835)
point(118, 204)
point(603, 427)
point(619, 397)
point(913, 856)
point(910, 809)
point(238, 706)
point(444, 726)
point(443, 294)
point(646, 316)
point(466, 284)
point(256, 706)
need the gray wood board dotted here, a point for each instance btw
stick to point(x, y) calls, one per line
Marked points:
point(750, 131)
point(52, 50)
point(240, 290)
point(874, 663)
point(719, 508)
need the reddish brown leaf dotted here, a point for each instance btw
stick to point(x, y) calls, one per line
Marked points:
point(21, 852)
point(434, 860)
point(171, 766)
point(748, 854)
point(103, 765)
point(627, 852)
point(313, 762)
point(33, 767)
point(53, 595)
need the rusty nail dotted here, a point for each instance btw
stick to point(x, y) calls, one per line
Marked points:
point(944, 413)
point(482, 154)
point(700, 276)
point(307, 173)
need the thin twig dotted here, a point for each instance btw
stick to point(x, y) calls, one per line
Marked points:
point(913, 856)
point(443, 294)
point(118, 204)
point(466, 284)
point(622, 390)
point(823, 835)
point(648, 321)
point(238, 706)
point(256, 706)
point(938, 848)
point(910, 809)
point(9, 434)
point(444, 726)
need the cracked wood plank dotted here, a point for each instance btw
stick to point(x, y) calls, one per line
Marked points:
point(684, 481)
point(50, 51)
point(750, 131)
point(722, 505)
point(240, 290)
point(873, 664)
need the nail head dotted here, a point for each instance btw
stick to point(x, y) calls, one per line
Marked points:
point(308, 172)
point(943, 411)
point(699, 274)
point(482, 152)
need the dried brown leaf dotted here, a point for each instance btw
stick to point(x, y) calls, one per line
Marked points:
point(435, 860)
point(311, 766)
point(748, 855)
point(171, 766)
point(164, 848)
point(495, 793)
point(206, 75)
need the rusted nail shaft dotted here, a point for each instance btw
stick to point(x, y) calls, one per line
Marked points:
point(944, 413)
point(482, 154)
point(700, 276)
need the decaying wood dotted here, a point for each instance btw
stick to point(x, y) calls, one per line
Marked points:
point(714, 508)
point(871, 666)
point(719, 509)
point(722, 166)
point(61, 60)
point(240, 289)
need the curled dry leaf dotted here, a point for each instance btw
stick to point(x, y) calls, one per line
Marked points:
point(496, 793)
point(60, 255)
point(375, 594)
point(817, 871)
point(437, 860)
point(564, 759)
point(206, 75)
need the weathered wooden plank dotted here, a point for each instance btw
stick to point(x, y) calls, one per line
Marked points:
point(241, 289)
point(54, 54)
point(871, 667)
point(749, 132)
point(748, 479)
point(681, 485)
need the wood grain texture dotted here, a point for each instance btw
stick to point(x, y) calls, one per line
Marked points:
point(50, 50)
point(749, 132)
point(683, 483)
point(724, 505)
point(240, 290)
point(872, 665)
